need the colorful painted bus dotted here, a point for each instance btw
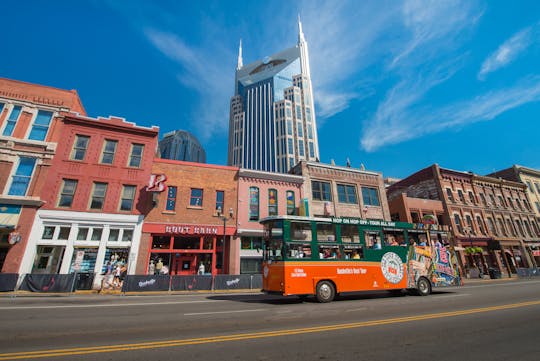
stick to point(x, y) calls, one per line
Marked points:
point(323, 257)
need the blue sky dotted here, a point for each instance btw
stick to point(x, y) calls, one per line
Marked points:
point(399, 85)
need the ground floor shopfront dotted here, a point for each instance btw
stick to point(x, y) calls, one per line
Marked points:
point(63, 242)
point(186, 249)
point(482, 257)
point(251, 254)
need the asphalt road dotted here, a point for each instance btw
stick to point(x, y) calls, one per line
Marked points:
point(485, 321)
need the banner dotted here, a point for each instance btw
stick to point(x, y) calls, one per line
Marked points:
point(134, 283)
point(188, 283)
point(8, 281)
point(48, 282)
point(256, 282)
point(232, 282)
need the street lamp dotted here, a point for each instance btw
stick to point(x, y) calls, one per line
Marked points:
point(224, 219)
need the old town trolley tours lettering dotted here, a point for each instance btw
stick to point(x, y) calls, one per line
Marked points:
point(325, 256)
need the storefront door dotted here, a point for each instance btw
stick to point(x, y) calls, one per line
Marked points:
point(183, 264)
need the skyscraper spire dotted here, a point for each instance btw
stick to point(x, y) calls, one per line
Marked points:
point(240, 63)
point(300, 32)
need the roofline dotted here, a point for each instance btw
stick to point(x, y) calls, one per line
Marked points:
point(349, 169)
point(195, 164)
point(244, 172)
point(74, 116)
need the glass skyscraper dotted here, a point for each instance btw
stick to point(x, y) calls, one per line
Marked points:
point(272, 118)
point(181, 145)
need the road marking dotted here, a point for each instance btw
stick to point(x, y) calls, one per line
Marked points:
point(218, 312)
point(254, 335)
point(108, 305)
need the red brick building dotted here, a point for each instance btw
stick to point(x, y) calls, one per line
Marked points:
point(94, 197)
point(29, 135)
point(192, 219)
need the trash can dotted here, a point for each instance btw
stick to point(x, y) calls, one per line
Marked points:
point(494, 273)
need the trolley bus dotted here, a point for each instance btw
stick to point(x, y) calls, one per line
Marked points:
point(323, 257)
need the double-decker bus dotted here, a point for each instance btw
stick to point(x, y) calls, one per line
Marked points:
point(308, 256)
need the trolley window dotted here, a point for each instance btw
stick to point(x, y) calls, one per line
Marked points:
point(350, 234)
point(326, 232)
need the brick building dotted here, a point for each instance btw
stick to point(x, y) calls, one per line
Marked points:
point(192, 219)
point(335, 191)
point(29, 136)
point(490, 220)
point(94, 197)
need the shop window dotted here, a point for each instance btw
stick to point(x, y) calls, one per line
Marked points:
point(272, 202)
point(196, 198)
point(321, 191)
point(291, 204)
point(84, 260)
point(20, 180)
point(12, 120)
point(346, 193)
point(114, 256)
point(187, 243)
point(171, 198)
point(135, 156)
point(41, 125)
point(370, 196)
point(113, 235)
point(253, 203)
point(79, 147)
point(128, 197)
point(98, 195)
point(48, 259)
point(250, 265)
point(161, 242)
point(208, 242)
point(96, 234)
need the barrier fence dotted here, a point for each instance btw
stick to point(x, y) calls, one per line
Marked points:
point(66, 283)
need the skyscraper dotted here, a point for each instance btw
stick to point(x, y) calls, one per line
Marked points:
point(181, 145)
point(272, 118)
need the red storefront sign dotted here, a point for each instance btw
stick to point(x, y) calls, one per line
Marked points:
point(186, 229)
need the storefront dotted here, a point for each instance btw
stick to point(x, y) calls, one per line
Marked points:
point(187, 249)
point(64, 242)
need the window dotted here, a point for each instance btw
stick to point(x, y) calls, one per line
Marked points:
point(491, 225)
point(128, 195)
point(12, 120)
point(79, 147)
point(518, 227)
point(530, 186)
point(301, 148)
point(272, 202)
point(21, 179)
point(82, 234)
point(470, 224)
point(299, 129)
point(253, 203)
point(67, 193)
point(511, 227)
point(291, 206)
point(518, 204)
point(41, 125)
point(113, 235)
point(64, 233)
point(449, 194)
point(220, 199)
point(501, 201)
point(127, 235)
point(311, 150)
point(370, 196)
point(492, 199)
point(537, 206)
point(109, 148)
point(480, 224)
point(48, 232)
point(291, 146)
point(460, 195)
point(321, 191)
point(502, 228)
point(98, 195)
point(483, 198)
point(457, 221)
point(537, 187)
point(510, 203)
point(346, 193)
point(171, 198)
point(196, 197)
point(136, 154)
point(96, 234)
point(471, 197)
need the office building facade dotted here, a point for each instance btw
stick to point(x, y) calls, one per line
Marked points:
point(272, 123)
point(181, 145)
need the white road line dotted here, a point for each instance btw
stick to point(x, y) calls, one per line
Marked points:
point(217, 312)
point(107, 305)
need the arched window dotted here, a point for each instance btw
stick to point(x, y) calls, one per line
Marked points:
point(291, 203)
point(253, 203)
point(272, 202)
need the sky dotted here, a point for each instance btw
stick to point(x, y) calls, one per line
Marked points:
point(398, 85)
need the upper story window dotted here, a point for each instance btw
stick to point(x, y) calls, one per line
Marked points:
point(480, 224)
point(460, 195)
point(301, 148)
point(501, 201)
point(370, 196)
point(501, 226)
point(20, 180)
point(321, 191)
point(69, 186)
point(471, 197)
point(492, 199)
point(135, 157)
point(346, 193)
point(483, 198)
point(79, 147)
point(220, 201)
point(311, 150)
point(518, 203)
point(529, 184)
point(470, 224)
point(449, 194)
point(537, 187)
point(491, 225)
point(196, 198)
point(457, 221)
point(291, 204)
point(171, 198)
point(98, 195)
point(272, 202)
point(253, 203)
point(109, 149)
point(128, 196)
point(41, 125)
point(12, 120)
point(510, 203)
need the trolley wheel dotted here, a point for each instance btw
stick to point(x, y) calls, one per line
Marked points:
point(325, 291)
point(423, 287)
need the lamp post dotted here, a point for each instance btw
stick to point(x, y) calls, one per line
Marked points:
point(224, 219)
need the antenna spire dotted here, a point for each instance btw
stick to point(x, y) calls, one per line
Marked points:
point(240, 62)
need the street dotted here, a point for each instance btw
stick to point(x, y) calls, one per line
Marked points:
point(497, 320)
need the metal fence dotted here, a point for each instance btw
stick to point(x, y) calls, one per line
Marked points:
point(528, 272)
point(67, 283)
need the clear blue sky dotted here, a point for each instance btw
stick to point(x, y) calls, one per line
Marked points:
point(398, 85)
